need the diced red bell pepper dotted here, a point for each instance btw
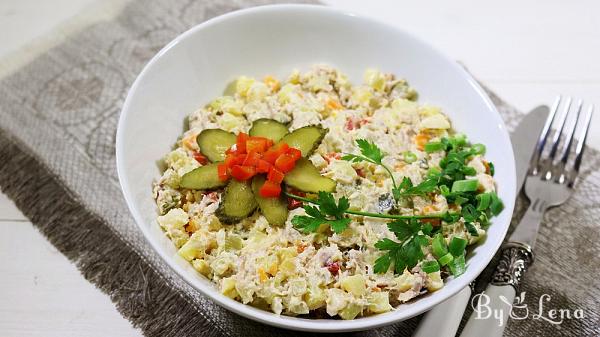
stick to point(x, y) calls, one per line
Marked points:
point(200, 158)
point(274, 152)
point(240, 172)
point(285, 163)
point(251, 158)
point(222, 172)
point(275, 175)
point(263, 166)
point(230, 160)
point(270, 190)
point(241, 142)
point(257, 144)
point(294, 153)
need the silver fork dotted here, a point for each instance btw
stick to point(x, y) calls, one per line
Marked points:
point(550, 182)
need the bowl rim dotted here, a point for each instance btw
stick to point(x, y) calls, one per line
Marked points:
point(282, 321)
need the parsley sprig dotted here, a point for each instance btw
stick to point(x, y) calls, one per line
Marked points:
point(329, 213)
point(407, 251)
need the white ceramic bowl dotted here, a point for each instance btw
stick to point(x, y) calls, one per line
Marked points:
point(197, 66)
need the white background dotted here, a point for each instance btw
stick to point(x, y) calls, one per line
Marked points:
point(526, 51)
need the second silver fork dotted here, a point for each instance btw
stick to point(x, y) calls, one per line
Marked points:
point(550, 182)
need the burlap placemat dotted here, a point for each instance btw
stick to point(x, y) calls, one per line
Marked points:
point(57, 162)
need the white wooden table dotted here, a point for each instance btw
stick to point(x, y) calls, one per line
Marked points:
point(526, 51)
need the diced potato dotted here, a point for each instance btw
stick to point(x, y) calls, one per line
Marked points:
point(429, 110)
point(180, 161)
point(228, 287)
point(361, 96)
point(245, 291)
point(375, 79)
point(379, 302)
point(297, 306)
point(315, 298)
point(257, 91)
point(298, 287)
point(405, 281)
point(350, 311)
point(434, 281)
point(342, 171)
point(272, 83)
point(201, 266)
point(288, 93)
point(437, 121)
point(242, 85)
point(173, 223)
point(287, 252)
point(336, 300)
point(221, 265)
point(194, 247)
point(288, 266)
point(227, 104)
point(355, 285)
point(230, 122)
point(233, 242)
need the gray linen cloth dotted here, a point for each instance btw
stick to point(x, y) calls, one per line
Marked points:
point(57, 162)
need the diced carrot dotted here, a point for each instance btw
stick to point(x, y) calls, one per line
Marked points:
point(275, 175)
point(421, 139)
point(270, 190)
point(333, 104)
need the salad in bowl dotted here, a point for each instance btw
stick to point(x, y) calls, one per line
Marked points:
point(310, 196)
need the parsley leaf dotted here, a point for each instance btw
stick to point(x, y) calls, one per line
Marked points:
point(406, 188)
point(329, 212)
point(406, 253)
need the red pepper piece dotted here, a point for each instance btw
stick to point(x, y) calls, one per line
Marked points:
point(275, 175)
point(270, 190)
point(222, 172)
point(240, 172)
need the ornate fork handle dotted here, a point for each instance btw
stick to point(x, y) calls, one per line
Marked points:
point(516, 258)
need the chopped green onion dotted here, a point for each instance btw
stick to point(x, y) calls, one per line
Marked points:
point(457, 266)
point(492, 169)
point(444, 190)
point(483, 201)
point(471, 228)
point(430, 266)
point(469, 185)
point(458, 140)
point(496, 205)
point(434, 147)
point(469, 171)
point(433, 172)
point(457, 246)
point(427, 228)
point(478, 149)
point(444, 260)
point(410, 157)
point(438, 246)
point(460, 200)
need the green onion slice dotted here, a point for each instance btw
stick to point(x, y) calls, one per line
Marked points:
point(409, 157)
point(434, 147)
point(430, 266)
point(457, 246)
point(444, 260)
point(438, 246)
point(469, 185)
point(457, 266)
point(478, 149)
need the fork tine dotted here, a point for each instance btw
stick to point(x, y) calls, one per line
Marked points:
point(581, 146)
point(559, 130)
point(559, 169)
point(541, 143)
point(570, 133)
